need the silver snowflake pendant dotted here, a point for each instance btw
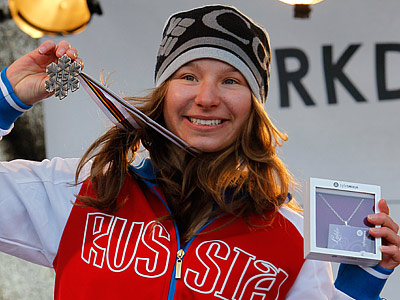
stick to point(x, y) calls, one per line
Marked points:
point(63, 77)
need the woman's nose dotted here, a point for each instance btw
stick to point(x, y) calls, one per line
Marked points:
point(207, 95)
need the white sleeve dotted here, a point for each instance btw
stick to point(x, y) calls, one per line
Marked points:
point(36, 199)
point(315, 279)
point(315, 282)
point(5, 132)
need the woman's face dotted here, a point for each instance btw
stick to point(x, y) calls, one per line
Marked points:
point(207, 104)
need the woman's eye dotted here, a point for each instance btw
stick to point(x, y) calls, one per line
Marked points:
point(189, 77)
point(230, 81)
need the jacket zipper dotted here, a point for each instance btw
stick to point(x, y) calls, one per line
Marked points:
point(172, 283)
point(177, 272)
point(178, 269)
point(180, 253)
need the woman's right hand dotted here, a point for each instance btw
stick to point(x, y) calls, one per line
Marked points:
point(27, 74)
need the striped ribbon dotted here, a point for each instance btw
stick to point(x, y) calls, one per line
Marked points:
point(120, 112)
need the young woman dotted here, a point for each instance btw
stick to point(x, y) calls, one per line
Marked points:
point(217, 224)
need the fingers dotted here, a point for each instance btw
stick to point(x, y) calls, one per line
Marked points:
point(49, 47)
point(390, 246)
point(80, 61)
point(389, 228)
point(390, 237)
point(27, 75)
point(64, 47)
point(393, 251)
point(389, 233)
point(384, 220)
point(391, 257)
point(383, 207)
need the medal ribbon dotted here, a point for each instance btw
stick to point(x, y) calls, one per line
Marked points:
point(120, 112)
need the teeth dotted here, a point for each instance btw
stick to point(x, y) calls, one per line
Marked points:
point(205, 122)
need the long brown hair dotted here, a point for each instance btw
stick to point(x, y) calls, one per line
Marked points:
point(244, 179)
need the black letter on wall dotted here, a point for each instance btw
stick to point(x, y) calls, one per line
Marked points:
point(383, 92)
point(285, 76)
point(335, 71)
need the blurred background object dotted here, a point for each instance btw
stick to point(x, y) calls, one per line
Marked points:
point(302, 8)
point(53, 17)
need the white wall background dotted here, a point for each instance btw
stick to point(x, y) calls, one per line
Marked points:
point(347, 141)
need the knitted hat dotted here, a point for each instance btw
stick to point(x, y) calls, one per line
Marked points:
point(219, 32)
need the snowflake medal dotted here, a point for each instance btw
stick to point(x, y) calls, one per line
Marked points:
point(62, 77)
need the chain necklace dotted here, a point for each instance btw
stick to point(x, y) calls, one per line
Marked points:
point(336, 213)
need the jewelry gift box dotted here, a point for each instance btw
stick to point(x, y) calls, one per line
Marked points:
point(336, 226)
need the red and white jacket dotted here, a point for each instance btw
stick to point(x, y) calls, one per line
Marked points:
point(97, 255)
point(128, 255)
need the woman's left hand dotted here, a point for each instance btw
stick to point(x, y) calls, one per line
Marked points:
point(389, 234)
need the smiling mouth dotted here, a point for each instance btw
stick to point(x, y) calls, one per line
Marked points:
point(196, 121)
